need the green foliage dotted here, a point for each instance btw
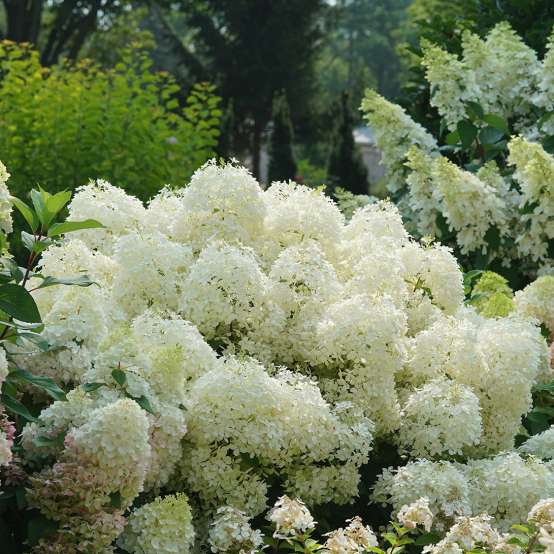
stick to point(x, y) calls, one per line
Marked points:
point(20, 320)
point(282, 165)
point(345, 167)
point(67, 125)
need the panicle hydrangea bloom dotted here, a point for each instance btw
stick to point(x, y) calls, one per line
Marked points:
point(416, 513)
point(540, 445)
point(452, 83)
point(243, 413)
point(504, 68)
point(440, 419)
point(354, 539)
point(534, 171)
point(221, 202)
point(547, 538)
point(485, 486)
point(163, 526)
point(295, 214)
point(469, 205)
point(290, 517)
point(119, 212)
point(231, 532)
point(5, 202)
point(466, 534)
point(223, 294)
point(537, 300)
point(395, 132)
point(543, 511)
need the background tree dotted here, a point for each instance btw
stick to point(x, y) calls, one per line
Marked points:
point(282, 165)
point(346, 168)
point(253, 48)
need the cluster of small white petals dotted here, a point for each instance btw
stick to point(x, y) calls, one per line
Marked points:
point(547, 538)
point(220, 203)
point(5, 202)
point(3, 366)
point(244, 413)
point(231, 532)
point(295, 214)
point(354, 539)
point(416, 513)
point(163, 526)
point(466, 534)
point(534, 171)
point(505, 487)
point(115, 440)
point(543, 511)
point(540, 445)
point(395, 132)
point(119, 212)
point(440, 419)
point(290, 518)
point(537, 300)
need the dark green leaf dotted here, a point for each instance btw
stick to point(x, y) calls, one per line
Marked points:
point(69, 226)
point(453, 138)
point(467, 132)
point(548, 144)
point(144, 403)
point(18, 303)
point(119, 376)
point(29, 215)
point(497, 122)
point(475, 110)
point(15, 406)
point(115, 499)
point(39, 199)
point(40, 527)
point(427, 538)
point(490, 135)
point(34, 245)
point(42, 382)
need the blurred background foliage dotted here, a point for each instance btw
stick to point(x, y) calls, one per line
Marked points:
point(112, 86)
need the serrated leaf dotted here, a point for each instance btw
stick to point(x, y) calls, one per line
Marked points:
point(70, 226)
point(28, 214)
point(119, 376)
point(490, 135)
point(18, 303)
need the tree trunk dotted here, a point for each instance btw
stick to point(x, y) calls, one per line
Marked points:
point(256, 149)
point(23, 19)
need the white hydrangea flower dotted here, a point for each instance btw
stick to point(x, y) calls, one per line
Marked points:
point(543, 512)
point(231, 532)
point(546, 538)
point(354, 539)
point(541, 445)
point(224, 292)
point(221, 202)
point(119, 212)
point(416, 513)
point(163, 526)
point(537, 300)
point(440, 419)
point(3, 365)
point(290, 517)
point(395, 132)
point(295, 214)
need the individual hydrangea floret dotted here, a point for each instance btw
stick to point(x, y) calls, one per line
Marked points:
point(416, 513)
point(290, 517)
point(354, 539)
point(231, 532)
